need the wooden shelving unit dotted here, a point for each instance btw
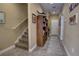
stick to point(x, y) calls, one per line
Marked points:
point(42, 30)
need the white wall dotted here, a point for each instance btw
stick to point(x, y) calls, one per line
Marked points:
point(32, 8)
point(71, 32)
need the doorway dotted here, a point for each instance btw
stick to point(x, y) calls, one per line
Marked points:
point(54, 27)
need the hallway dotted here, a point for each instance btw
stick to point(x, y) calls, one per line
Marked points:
point(40, 28)
point(52, 47)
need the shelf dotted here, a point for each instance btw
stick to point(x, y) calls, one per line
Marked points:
point(19, 23)
point(43, 22)
point(42, 30)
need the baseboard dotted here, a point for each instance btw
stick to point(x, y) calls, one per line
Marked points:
point(30, 50)
point(7, 49)
point(66, 50)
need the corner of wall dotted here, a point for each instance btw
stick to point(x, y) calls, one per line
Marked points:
point(31, 49)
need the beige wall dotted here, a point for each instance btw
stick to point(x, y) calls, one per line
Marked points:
point(52, 17)
point(32, 8)
point(15, 13)
point(71, 32)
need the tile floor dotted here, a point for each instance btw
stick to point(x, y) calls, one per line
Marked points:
point(52, 47)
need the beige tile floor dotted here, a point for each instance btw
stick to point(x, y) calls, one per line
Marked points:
point(53, 47)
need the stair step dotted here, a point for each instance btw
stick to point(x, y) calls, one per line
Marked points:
point(27, 29)
point(25, 33)
point(24, 40)
point(21, 45)
point(25, 36)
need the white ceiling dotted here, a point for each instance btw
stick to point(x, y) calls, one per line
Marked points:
point(54, 8)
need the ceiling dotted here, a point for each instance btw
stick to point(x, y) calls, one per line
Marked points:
point(52, 8)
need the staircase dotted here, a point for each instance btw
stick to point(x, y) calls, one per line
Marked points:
point(23, 41)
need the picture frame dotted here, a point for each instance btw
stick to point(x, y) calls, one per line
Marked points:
point(2, 17)
point(73, 19)
point(34, 18)
point(73, 6)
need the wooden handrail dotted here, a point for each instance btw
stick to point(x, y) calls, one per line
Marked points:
point(19, 24)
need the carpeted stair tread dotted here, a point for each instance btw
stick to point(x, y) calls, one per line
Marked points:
point(24, 40)
point(24, 36)
point(21, 45)
point(25, 33)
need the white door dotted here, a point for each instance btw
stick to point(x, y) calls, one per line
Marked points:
point(62, 28)
point(54, 27)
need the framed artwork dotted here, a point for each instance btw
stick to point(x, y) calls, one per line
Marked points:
point(73, 19)
point(34, 18)
point(73, 6)
point(2, 17)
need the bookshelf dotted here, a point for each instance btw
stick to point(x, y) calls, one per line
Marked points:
point(42, 30)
